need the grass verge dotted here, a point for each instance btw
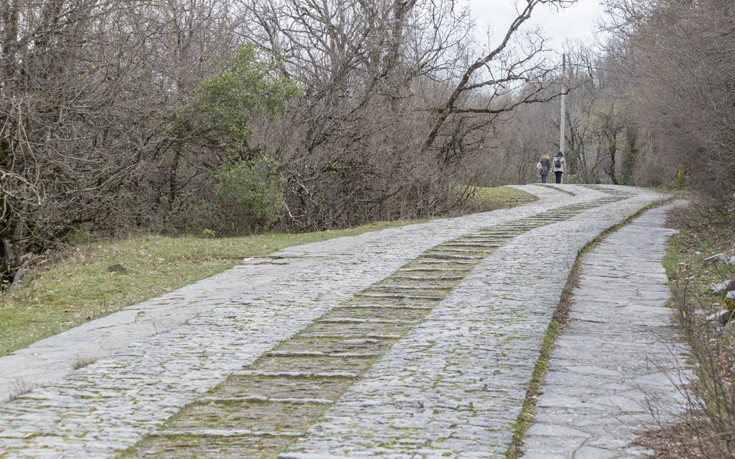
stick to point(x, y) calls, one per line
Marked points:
point(78, 287)
point(69, 288)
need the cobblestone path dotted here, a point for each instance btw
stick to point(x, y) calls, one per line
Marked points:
point(618, 367)
point(411, 342)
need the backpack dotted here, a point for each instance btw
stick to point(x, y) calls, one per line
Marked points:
point(557, 164)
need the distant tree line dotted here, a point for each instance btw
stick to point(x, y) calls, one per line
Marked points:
point(655, 106)
point(674, 61)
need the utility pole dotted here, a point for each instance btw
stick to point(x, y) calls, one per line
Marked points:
point(562, 118)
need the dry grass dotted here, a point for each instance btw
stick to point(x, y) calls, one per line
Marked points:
point(680, 441)
point(487, 199)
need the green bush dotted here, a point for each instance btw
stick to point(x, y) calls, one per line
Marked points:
point(249, 86)
point(249, 197)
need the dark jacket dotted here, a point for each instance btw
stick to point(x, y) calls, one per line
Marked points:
point(545, 166)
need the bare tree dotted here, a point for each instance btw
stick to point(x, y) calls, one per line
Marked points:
point(87, 91)
point(54, 88)
point(397, 113)
point(100, 127)
point(368, 68)
point(676, 58)
point(498, 77)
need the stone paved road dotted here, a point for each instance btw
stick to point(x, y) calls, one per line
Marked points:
point(410, 342)
point(618, 368)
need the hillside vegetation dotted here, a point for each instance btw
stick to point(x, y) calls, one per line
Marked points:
point(237, 117)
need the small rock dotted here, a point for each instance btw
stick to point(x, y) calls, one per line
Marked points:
point(698, 315)
point(117, 268)
point(714, 259)
point(729, 301)
point(721, 288)
point(732, 261)
point(720, 317)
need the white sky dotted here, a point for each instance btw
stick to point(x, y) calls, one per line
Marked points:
point(577, 22)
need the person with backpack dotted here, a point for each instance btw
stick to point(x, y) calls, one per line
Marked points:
point(559, 166)
point(544, 166)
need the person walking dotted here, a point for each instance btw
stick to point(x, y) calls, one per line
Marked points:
point(544, 166)
point(559, 166)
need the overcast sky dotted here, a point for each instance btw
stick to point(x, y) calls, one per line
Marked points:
point(577, 22)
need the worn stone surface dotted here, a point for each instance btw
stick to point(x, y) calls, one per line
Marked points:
point(296, 277)
point(618, 368)
point(409, 342)
point(454, 386)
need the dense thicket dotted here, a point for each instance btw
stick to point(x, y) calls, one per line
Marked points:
point(160, 115)
point(90, 93)
point(673, 61)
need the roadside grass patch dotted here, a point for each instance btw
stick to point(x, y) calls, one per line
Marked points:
point(79, 287)
point(487, 199)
